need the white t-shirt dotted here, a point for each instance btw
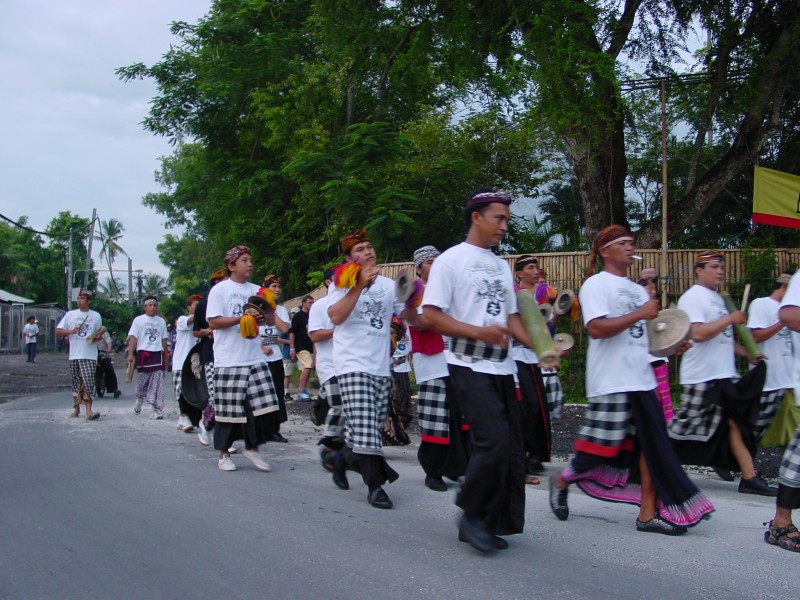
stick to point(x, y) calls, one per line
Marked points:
point(31, 330)
point(270, 332)
point(778, 349)
point(714, 358)
point(226, 299)
point(149, 331)
point(403, 350)
point(430, 366)
point(620, 363)
point(89, 322)
point(474, 286)
point(184, 341)
point(361, 344)
point(318, 320)
point(792, 298)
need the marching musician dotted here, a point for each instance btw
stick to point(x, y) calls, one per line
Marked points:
point(623, 452)
point(470, 298)
point(360, 306)
point(713, 426)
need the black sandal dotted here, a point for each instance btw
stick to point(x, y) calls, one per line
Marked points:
point(779, 536)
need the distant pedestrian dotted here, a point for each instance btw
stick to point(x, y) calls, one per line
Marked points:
point(29, 333)
point(271, 348)
point(147, 346)
point(302, 348)
point(189, 416)
point(78, 325)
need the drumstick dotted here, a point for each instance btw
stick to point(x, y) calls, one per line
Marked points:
point(745, 297)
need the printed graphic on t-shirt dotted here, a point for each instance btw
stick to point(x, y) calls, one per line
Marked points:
point(84, 328)
point(151, 333)
point(373, 308)
point(488, 284)
point(235, 303)
point(785, 337)
point(627, 302)
point(722, 312)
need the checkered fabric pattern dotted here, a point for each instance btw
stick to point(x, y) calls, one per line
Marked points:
point(334, 420)
point(365, 400)
point(789, 473)
point(83, 373)
point(233, 386)
point(553, 392)
point(767, 407)
point(150, 388)
point(608, 420)
point(176, 383)
point(209, 371)
point(471, 350)
point(696, 419)
point(434, 412)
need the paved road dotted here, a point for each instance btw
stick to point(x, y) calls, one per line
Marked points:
point(128, 507)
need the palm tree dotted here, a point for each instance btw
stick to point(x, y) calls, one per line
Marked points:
point(113, 289)
point(153, 284)
point(109, 234)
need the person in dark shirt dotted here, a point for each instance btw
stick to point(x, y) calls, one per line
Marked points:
point(301, 347)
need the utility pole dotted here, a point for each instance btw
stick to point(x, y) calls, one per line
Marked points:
point(69, 271)
point(130, 284)
point(89, 251)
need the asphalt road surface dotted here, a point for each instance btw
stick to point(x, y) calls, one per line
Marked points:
point(129, 507)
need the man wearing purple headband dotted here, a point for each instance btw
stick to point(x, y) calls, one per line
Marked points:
point(470, 298)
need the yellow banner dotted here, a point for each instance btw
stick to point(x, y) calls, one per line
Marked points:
point(776, 198)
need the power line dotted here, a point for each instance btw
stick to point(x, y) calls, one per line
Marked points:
point(26, 228)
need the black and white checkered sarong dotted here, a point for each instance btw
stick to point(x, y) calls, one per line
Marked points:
point(176, 384)
point(83, 372)
point(767, 407)
point(334, 420)
point(608, 422)
point(553, 392)
point(471, 350)
point(789, 473)
point(695, 418)
point(233, 386)
point(434, 412)
point(365, 400)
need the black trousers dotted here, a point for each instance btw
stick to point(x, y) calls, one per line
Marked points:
point(107, 367)
point(494, 482)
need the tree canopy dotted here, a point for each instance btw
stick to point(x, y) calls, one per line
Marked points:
point(296, 121)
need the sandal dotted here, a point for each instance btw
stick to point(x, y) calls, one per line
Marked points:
point(93, 417)
point(532, 480)
point(779, 536)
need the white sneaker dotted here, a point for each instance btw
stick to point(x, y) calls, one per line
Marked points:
point(157, 415)
point(137, 408)
point(255, 458)
point(182, 422)
point(202, 435)
point(226, 464)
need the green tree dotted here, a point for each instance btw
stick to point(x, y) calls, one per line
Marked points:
point(109, 233)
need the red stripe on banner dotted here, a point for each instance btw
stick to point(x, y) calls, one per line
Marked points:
point(433, 439)
point(768, 219)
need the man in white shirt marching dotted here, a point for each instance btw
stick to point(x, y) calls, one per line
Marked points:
point(712, 426)
point(775, 341)
point(79, 325)
point(184, 341)
point(272, 350)
point(470, 298)
point(147, 346)
point(361, 312)
point(320, 329)
point(623, 452)
point(244, 395)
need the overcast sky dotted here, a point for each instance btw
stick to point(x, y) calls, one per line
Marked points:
point(71, 133)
